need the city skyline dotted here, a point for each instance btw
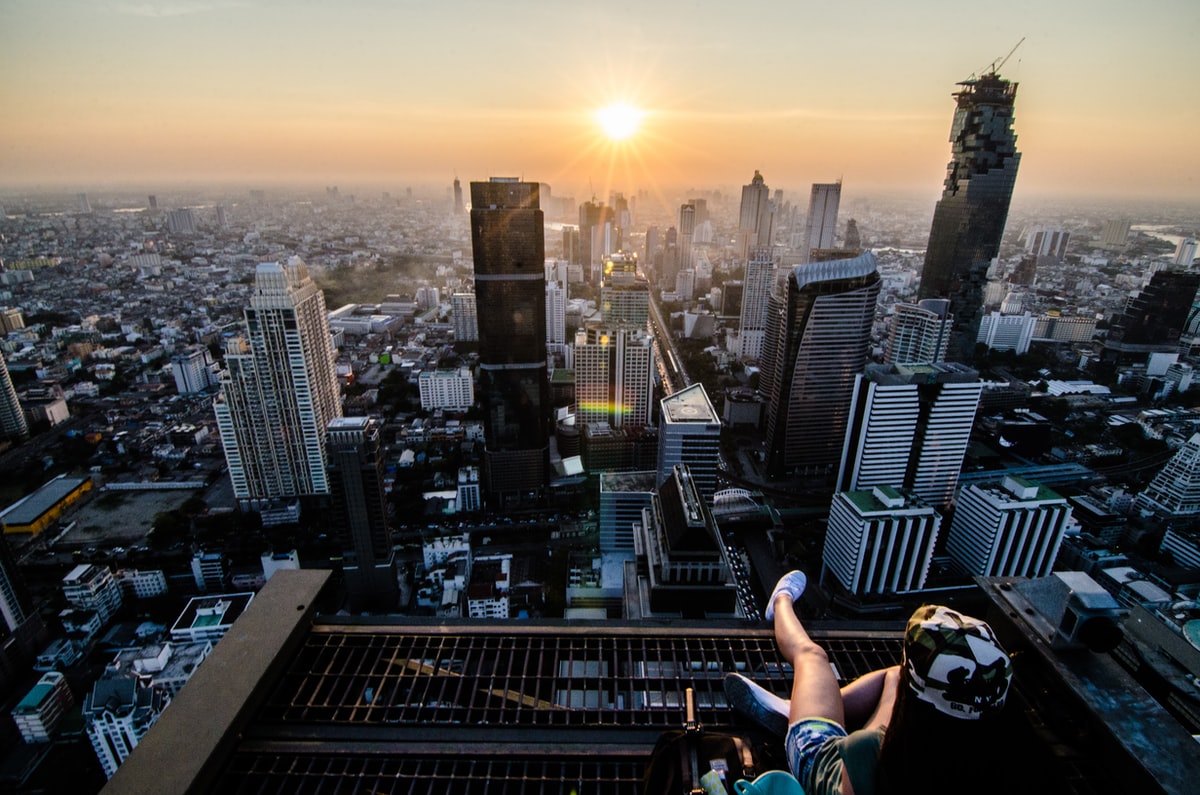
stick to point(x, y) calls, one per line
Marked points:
point(157, 92)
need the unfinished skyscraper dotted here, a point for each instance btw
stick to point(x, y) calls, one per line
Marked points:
point(969, 218)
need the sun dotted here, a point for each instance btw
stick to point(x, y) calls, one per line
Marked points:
point(619, 121)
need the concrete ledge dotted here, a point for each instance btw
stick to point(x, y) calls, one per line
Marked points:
point(187, 747)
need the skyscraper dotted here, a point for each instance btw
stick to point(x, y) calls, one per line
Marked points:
point(360, 512)
point(760, 276)
point(687, 227)
point(968, 220)
point(920, 332)
point(596, 235)
point(689, 432)
point(458, 197)
point(465, 316)
point(755, 219)
point(1155, 319)
point(15, 604)
point(614, 376)
point(279, 389)
point(821, 226)
point(1185, 252)
point(556, 316)
point(510, 287)
point(909, 427)
point(819, 330)
point(12, 417)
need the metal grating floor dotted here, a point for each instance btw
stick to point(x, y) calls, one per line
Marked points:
point(296, 775)
point(533, 679)
point(498, 709)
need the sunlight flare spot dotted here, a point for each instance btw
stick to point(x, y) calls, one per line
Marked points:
point(619, 121)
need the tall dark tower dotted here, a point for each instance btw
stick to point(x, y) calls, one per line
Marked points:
point(817, 339)
point(360, 512)
point(969, 219)
point(510, 292)
point(458, 202)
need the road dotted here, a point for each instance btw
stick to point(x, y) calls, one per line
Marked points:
point(670, 364)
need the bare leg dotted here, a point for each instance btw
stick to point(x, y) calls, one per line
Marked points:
point(815, 692)
point(862, 697)
point(882, 715)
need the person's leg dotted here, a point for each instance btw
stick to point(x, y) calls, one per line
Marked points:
point(862, 700)
point(862, 697)
point(815, 691)
point(882, 714)
point(759, 704)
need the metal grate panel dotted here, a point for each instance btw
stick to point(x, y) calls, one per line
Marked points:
point(297, 774)
point(634, 679)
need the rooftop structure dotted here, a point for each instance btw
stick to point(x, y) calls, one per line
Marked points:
point(689, 432)
point(208, 618)
point(293, 701)
point(35, 512)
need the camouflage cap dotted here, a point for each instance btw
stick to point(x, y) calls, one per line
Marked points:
point(954, 663)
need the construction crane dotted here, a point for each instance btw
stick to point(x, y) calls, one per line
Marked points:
point(995, 65)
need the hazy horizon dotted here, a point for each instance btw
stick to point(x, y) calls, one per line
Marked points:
point(265, 92)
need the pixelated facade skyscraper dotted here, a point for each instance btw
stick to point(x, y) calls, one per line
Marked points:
point(969, 219)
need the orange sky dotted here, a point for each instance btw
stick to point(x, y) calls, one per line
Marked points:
point(397, 93)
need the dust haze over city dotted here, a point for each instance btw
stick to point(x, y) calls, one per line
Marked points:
point(367, 350)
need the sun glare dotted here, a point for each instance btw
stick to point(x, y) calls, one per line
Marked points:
point(619, 121)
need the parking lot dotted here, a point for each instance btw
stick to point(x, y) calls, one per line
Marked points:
point(117, 517)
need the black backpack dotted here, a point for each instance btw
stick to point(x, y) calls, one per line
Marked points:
point(685, 760)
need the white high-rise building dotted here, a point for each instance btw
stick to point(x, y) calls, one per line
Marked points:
point(755, 219)
point(614, 376)
point(428, 297)
point(880, 541)
point(194, 370)
point(181, 222)
point(1010, 528)
point(920, 332)
point(910, 427)
point(556, 315)
point(756, 292)
point(821, 227)
point(43, 708)
point(119, 711)
point(1046, 241)
point(280, 389)
point(451, 390)
point(689, 432)
point(92, 587)
point(1007, 332)
point(12, 417)
point(687, 228)
point(466, 320)
point(1185, 252)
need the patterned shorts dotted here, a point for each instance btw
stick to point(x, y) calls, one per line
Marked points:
point(805, 739)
